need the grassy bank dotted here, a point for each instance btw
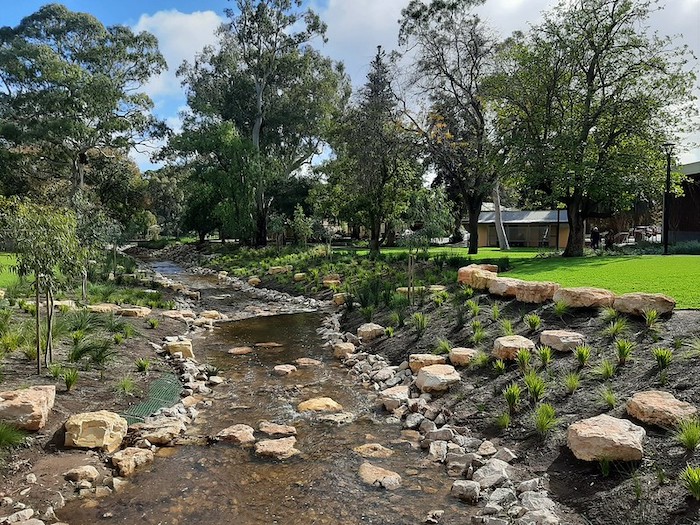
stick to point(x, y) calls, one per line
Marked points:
point(7, 277)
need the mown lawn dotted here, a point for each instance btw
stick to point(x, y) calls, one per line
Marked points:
point(7, 277)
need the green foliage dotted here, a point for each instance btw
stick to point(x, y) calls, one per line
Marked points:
point(397, 318)
point(480, 360)
point(440, 298)
point(690, 477)
point(572, 381)
point(512, 395)
point(533, 321)
point(615, 328)
point(420, 323)
point(83, 321)
point(389, 331)
point(143, 364)
point(583, 355)
point(609, 397)
point(545, 419)
point(503, 421)
point(10, 436)
point(443, 347)
point(523, 358)
point(507, 327)
point(152, 322)
point(499, 366)
point(604, 465)
point(496, 312)
point(460, 316)
point(624, 350)
point(561, 309)
point(126, 386)
point(609, 314)
point(651, 319)
point(70, 377)
point(473, 306)
point(367, 312)
point(536, 386)
point(479, 335)
point(688, 433)
point(545, 355)
point(663, 357)
point(55, 370)
point(606, 369)
point(118, 339)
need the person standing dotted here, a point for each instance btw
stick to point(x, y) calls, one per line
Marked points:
point(595, 238)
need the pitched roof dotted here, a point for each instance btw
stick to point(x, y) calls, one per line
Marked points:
point(525, 217)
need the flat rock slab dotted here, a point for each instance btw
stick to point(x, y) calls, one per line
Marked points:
point(477, 276)
point(462, 356)
point(134, 311)
point(418, 361)
point(562, 340)
point(507, 347)
point(373, 450)
point(84, 473)
point(369, 332)
point(128, 460)
point(104, 430)
point(273, 429)
point(659, 408)
point(535, 292)
point(585, 297)
point(269, 344)
point(341, 349)
point(241, 350)
point(307, 362)
point(319, 404)
point(27, 408)
point(492, 474)
point(437, 378)
point(284, 370)
point(238, 435)
point(606, 437)
point(379, 477)
point(103, 308)
point(639, 303)
point(392, 398)
point(277, 448)
point(182, 346)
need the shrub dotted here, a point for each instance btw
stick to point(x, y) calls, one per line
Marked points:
point(545, 355)
point(688, 433)
point(112, 323)
point(126, 386)
point(512, 395)
point(143, 364)
point(606, 369)
point(420, 323)
point(572, 381)
point(523, 357)
point(480, 360)
point(609, 314)
point(82, 320)
point(499, 366)
point(496, 312)
point(507, 327)
point(11, 341)
point(440, 298)
point(535, 385)
point(55, 370)
point(545, 419)
point(473, 307)
point(153, 323)
point(609, 397)
point(663, 357)
point(605, 465)
point(615, 328)
point(561, 309)
point(443, 347)
point(389, 331)
point(624, 350)
point(29, 351)
point(503, 421)
point(533, 321)
point(691, 480)
point(583, 354)
point(70, 377)
point(460, 317)
point(397, 318)
point(10, 436)
point(479, 335)
point(651, 318)
point(118, 339)
point(367, 312)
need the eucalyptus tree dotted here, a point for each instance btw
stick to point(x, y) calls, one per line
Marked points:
point(279, 92)
point(71, 87)
point(454, 54)
point(586, 99)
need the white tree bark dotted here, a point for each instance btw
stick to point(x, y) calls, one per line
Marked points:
point(500, 230)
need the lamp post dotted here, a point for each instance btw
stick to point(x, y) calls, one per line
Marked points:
point(668, 149)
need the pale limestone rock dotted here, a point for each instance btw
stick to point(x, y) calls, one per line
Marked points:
point(160, 431)
point(535, 292)
point(369, 332)
point(84, 473)
point(104, 430)
point(183, 346)
point(268, 344)
point(241, 350)
point(534, 500)
point(437, 378)
point(134, 311)
point(339, 299)
point(606, 437)
point(254, 281)
point(319, 404)
point(103, 308)
point(505, 454)
point(538, 517)
point(307, 362)
point(476, 276)
point(273, 429)
point(504, 286)
point(507, 347)
point(214, 315)
point(462, 356)
point(238, 435)
point(379, 477)
point(562, 340)
point(486, 449)
point(341, 350)
point(418, 361)
point(28, 408)
point(128, 460)
point(275, 270)
point(466, 490)
point(493, 473)
point(585, 297)
point(277, 448)
point(392, 398)
point(284, 370)
point(299, 277)
point(638, 303)
point(373, 450)
point(659, 408)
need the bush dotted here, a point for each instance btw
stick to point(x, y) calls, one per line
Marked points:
point(615, 328)
point(561, 309)
point(512, 395)
point(496, 312)
point(503, 421)
point(624, 350)
point(523, 357)
point(70, 377)
point(507, 327)
point(420, 323)
point(10, 436)
point(153, 323)
point(688, 433)
point(545, 355)
point(397, 318)
point(609, 314)
point(443, 347)
point(367, 313)
point(389, 331)
point(499, 366)
point(533, 321)
point(663, 357)
point(55, 370)
point(606, 369)
point(126, 386)
point(572, 381)
point(480, 360)
point(545, 419)
point(583, 354)
point(143, 364)
point(690, 477)
point(535, 385)
point(609, 397)
point(651, 318)
point(473, 306)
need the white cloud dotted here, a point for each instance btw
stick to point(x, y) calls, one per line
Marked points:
point(180, 37)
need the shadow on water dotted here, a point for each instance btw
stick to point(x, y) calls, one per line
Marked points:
point(227, 484)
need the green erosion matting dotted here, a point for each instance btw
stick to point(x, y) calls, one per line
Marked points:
point(163, 392)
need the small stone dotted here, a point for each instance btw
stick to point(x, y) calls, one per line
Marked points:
point(493, 473)
point(466, 490)
point(277, 448)
point(284, 370)
point(238, 435)
point(486, 449)
point(505, 454)
point(241, 350)
point(273, 429)
point(529, 485)
point(319, 404)
point(86, 472)
point(373, 450)
point(31, 479)
point(376, 476)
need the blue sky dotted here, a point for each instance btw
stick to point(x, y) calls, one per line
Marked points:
point(355, 28)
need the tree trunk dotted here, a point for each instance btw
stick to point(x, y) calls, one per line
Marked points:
point(390, 235)
point(261, 229)
point(202, 235)
point(48, 354)
point(500, 230)
point(374, 239)
point(257, 125)
point(84, 286)
point(474, 209)
point(37, 286)
point(457, 235)
point(575, 241)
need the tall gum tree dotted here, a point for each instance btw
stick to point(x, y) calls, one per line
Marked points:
point(586, 99)
point(267, 79)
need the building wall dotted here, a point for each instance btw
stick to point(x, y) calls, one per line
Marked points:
point(525, 235)
point(684, 218)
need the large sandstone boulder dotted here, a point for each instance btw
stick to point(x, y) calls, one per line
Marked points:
point(638, 303)
point(214, 315)
point(134, 311)
point(379, 477)
point(462, 356)
point(504, 286)
point(128, 460)
point(254, 281)
point(319, 404)
point(276, 270)
point(182, 345)
point(27, 408)
point(369, 332)
point(238, 435)
point(659, 408)
point(477, 276)
point(585, 297)
point(437, 378)
point(418, 361)
point(535, 292)
point(103, 308)
point(103, 429)
point(392, 398)
point(606, 437)
point(341, 349)
point(160, 431)
point(84, 473)
point(277, 448)
point(562, 340)
point(507, 347)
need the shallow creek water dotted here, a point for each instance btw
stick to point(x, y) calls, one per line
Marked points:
point(226, 484)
